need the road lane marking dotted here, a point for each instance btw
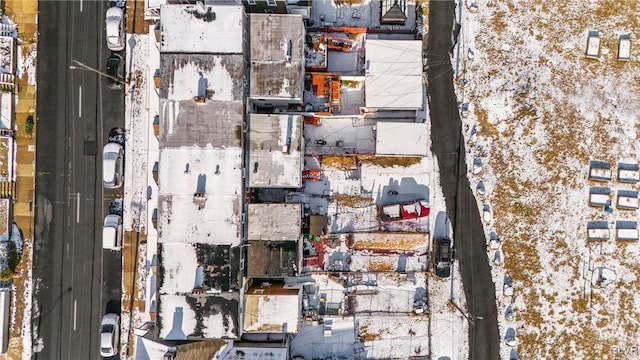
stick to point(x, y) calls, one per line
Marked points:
point(80, 5)
point(67, 250)
point(78, 210)
point(80, 88)
point(75, 312)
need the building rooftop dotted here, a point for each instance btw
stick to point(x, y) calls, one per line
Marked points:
point(341, 135)
point(393, 74)
point(277, 56)
point(275, 150)
point(271, 308)
point(214, 77)
point(398, 138)
point(202, 100)
point(213, 218)
point(198, 295)
point(254, 351)
point(272, 259)
point(275, 222)
point(216, 29)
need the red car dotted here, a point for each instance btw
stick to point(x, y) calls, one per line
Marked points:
point(403, 211)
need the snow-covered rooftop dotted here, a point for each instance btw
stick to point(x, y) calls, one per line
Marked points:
point(211, 77)
point(274, 222)
point(202, 29)
point(343, 135)
point(393, 74)
point(254, 351)
point(197, 294)
point(215, 317)
point(213, 218)
point(277, 56)
point(6, 110)
point(271, 309)
point(275, 150)
point(396, 138)
point(180, 263)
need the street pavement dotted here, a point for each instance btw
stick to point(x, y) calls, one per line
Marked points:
point(448, 145)
point(77, 282)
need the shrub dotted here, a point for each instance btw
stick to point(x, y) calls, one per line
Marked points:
point(28, 126)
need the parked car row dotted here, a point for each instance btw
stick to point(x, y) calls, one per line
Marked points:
point(113, 167)
point(115, 35)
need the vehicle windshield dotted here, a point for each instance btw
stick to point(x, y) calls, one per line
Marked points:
point(113, 39)
point(107, 328)
point(111, 156)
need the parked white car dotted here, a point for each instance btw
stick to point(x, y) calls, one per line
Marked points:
point(109, 335)
point(112, 165)
point(112, 232)
point(115, 28)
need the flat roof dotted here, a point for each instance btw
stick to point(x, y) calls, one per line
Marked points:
point(6, 109)
point(255, 351)
point(343, 135)
point(215, 317)
point(271, 309)
point(215, 77)
point(202, 28)
point(273, 259)
point(397, 138)
point(275, 143)
point(277, 55)
point(216, 173)
point(275, 222)
point(198, 296)
point(393, 74)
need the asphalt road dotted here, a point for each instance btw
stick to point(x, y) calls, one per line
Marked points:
point(448, 146)
point(76, 281)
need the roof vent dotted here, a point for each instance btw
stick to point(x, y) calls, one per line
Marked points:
point(200, 199)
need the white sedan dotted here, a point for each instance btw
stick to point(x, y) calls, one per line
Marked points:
point(115, 29)
point(109, 335)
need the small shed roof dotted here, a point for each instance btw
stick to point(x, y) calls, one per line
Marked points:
point(394, 138)
point(276, 222)
point(393, 74)
point(202, 28)
point(275, 154)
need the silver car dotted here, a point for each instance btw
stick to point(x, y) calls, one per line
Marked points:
point(109, 335)
point(112, 165)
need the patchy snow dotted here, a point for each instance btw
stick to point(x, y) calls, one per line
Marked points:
point(543, 111)
point(27, 298)
point(27, 64)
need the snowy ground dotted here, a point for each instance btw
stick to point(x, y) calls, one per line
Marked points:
point(542, 111)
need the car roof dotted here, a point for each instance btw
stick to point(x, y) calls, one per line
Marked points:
point(111, 220)
point(109, 319)
point(112, 147)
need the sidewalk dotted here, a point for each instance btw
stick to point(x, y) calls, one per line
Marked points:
point(24, 14)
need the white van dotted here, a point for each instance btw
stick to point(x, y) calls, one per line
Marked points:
point(112, 232)
point(112, 165)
